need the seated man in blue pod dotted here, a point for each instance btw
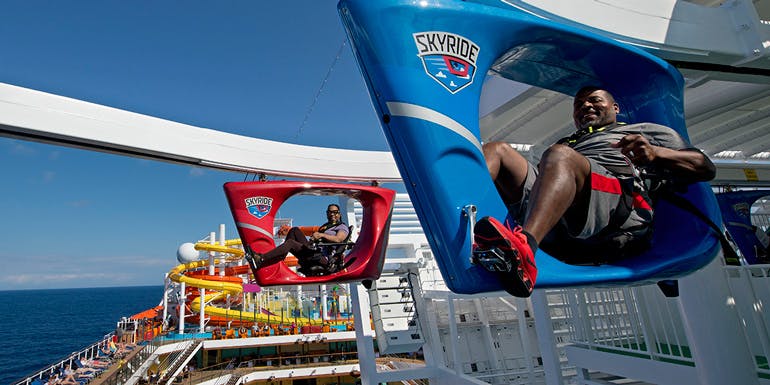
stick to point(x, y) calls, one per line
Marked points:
point(314, 258)
point(587, 197)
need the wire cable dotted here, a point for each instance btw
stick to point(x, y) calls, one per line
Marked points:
point(320, 89)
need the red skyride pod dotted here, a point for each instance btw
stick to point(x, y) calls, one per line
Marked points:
point(254, 205)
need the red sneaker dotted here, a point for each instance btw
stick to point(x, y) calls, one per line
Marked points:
point(517, 269)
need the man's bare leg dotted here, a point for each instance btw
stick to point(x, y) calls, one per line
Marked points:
point(561, 184)
point(508, 170)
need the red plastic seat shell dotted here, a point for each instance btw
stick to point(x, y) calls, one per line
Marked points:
point(368, 253)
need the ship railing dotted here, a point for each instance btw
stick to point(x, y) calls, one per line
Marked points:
point(430, 275)
point(177, 338)
point(125, 372)
point(294, 360)
point(506, 376)
point(633, 321)
point(267, 362)
point(92, 351)
point(641, 322)
point(168, 363)
point(750, 288)
point(282, 361)
point(508, 370)
point(390, 362)
point(126, 367)
point(240, 365)
point(209, 372)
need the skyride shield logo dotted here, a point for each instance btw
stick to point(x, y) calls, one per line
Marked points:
point(448, 58)
point(259, 206)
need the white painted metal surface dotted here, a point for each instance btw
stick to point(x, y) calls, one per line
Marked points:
point(39, 116)
point(732, 33)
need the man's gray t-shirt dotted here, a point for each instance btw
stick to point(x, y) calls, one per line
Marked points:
point(596, 145)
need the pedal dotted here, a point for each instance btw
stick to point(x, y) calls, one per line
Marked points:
point(248, 254)
point(493, 260)
point(252, 265)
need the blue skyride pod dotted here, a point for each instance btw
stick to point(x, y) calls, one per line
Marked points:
point(424, 63)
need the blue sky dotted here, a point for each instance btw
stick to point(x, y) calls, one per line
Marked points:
point(75, 218)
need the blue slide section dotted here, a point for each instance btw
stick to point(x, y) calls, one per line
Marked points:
point(425, 63)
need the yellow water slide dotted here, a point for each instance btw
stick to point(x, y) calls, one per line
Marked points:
point(233, 252)
point(177, 275)
point(223, 288)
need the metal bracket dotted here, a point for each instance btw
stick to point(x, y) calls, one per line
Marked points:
point(470, 212)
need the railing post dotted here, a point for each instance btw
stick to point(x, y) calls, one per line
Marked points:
point(364, 334)
point(182, 300)
point(521, 304)
point(711, 323)
point(644, 321)
point(757, 308)
point(454, 336)
point(545, 337)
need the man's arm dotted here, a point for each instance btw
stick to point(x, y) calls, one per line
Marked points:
point(688, 165)
point(336, 238)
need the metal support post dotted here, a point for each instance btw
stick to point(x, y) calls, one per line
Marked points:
point(713, 328)
point(545, 338)
point(454, 337)
point(364, 334)
point(182, 300)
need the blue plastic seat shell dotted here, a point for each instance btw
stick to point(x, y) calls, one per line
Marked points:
point(427, 125)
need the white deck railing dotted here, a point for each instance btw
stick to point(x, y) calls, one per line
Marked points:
point(638, 322)
point(641, 322)
point(750, 287)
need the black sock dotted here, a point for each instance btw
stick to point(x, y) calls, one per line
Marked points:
point(531, 242)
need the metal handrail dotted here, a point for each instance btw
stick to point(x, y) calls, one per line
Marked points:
point(88, 352)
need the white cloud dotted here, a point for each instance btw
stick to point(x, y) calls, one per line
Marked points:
point(85, 272)
point(62, 278)
point(19, 148)
point(48, 176)
point(196, 172)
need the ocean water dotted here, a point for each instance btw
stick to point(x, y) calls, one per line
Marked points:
point(40, 327)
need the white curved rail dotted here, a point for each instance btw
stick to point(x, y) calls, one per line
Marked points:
point(43, 117)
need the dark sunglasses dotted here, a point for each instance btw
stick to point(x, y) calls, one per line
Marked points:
point(332, 212)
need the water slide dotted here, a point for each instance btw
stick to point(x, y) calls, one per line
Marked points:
point(222, 286)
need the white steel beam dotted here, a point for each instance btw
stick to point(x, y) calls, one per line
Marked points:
point(39, 116)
